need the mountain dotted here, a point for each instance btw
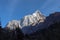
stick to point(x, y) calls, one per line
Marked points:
point(52, 30)
point(49, 29)
point(31, 23)
point(27, 22)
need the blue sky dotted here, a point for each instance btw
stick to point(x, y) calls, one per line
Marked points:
point(16, 9)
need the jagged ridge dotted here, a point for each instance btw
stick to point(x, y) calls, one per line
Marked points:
point(27, 20)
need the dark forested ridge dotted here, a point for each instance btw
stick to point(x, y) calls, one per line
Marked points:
point(11, 34)
point(52, 32)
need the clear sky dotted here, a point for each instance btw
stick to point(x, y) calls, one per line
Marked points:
point(16, 9)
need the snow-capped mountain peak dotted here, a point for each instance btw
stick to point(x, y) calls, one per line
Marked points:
point(13, 24)
point(37, 12)
point(27, 20)
point(33, 19)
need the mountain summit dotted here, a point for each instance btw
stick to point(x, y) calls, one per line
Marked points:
point(33, 19)
point(28, 20)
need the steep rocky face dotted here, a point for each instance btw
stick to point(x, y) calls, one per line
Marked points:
point(52, 18)
point(28, 20)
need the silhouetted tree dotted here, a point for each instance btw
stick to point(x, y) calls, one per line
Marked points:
point(1, 31)
point(19, 33)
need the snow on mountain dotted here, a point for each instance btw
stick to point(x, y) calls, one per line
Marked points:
point(26, 21)
point(13, 24)
point(33, 19)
